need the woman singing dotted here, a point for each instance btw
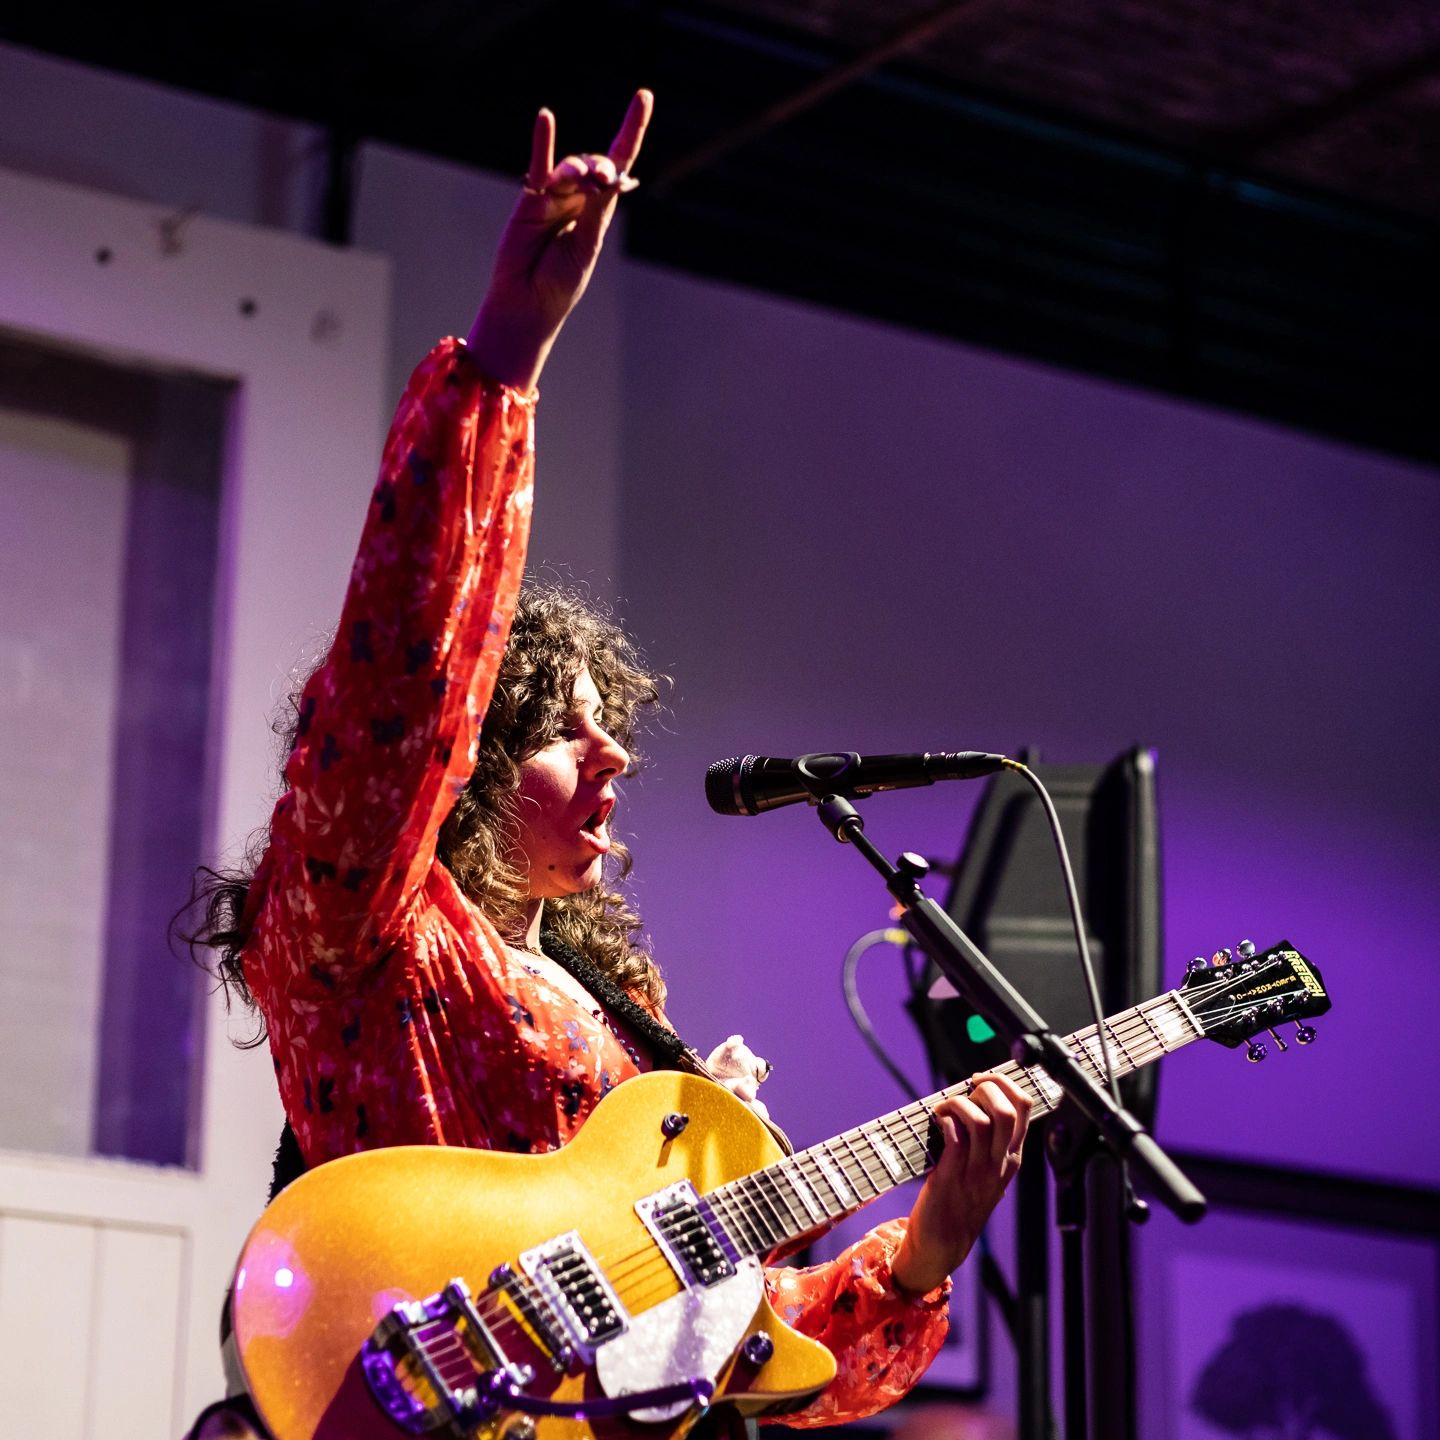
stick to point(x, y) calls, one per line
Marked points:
point(432, 936)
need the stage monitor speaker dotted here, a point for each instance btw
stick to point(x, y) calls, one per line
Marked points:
point(1008, 895)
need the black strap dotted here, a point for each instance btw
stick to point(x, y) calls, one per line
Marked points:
point(669, 1050)
point(289, 1163)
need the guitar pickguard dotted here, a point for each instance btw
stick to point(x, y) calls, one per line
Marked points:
point(692, 1334)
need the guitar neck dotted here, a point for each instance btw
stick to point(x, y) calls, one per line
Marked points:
point(768, 1209)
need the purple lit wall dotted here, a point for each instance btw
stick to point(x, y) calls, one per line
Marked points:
point(841, 536)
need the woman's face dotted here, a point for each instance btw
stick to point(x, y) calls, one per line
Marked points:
point(565, 799)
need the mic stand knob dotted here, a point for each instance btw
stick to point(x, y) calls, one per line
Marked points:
point(915, 867)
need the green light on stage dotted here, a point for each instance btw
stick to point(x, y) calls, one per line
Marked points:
point(978, 1030)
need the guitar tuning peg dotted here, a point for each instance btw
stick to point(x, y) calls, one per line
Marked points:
point(1304, 1034)
point(1255, 1052)
point(1279, 1043)
point(1246, 949)
point(1221, 957)
point(1195, 966)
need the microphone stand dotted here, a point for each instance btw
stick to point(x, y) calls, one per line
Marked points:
point(1032, 1043)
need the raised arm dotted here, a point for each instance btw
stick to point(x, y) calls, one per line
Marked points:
point(389, 723)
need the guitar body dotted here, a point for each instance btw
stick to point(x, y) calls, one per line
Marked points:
point(336, 1251)
point(607, 1290)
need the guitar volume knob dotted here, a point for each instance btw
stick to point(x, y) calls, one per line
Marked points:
point(758, 1348)
point(674, 1124)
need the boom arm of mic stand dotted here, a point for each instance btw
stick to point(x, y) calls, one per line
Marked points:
point(1031, 1041)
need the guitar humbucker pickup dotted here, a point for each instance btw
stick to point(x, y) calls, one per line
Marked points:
point(575, 1286)
point(695, 1245)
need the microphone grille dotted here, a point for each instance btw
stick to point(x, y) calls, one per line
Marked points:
point(722, 789)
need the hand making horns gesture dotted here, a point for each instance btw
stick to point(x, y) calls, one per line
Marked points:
point(550, 245)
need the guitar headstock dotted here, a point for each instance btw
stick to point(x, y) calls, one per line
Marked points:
point(1237, 996)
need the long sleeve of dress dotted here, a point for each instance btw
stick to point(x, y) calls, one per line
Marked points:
point(389, 722)
point(882, 1342)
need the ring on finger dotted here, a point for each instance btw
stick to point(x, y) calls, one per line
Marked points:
point(623, 183)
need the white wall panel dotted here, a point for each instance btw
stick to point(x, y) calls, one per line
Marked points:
point(139, 1290)
point(47, 1278)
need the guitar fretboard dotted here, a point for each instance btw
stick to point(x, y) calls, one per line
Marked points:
point(771, 1207)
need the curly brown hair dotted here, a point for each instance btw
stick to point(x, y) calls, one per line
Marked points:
point(557, 632)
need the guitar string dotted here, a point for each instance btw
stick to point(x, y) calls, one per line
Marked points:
point(747, 1211)
point(727, 1202)
point(1134, 1028)
point(768, 1200)
point(1137, 1030)
point(1133, 1033)
point(917, 1159)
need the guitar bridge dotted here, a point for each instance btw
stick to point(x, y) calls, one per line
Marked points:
point(427, 1362)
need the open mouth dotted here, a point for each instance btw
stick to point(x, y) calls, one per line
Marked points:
point(595, 830)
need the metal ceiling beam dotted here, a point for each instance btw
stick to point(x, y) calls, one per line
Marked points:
point(905, 37)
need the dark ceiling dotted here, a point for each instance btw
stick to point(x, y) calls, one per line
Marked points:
point(1235, 200)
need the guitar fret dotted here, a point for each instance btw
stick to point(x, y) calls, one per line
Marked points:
point(864, 1173)
point(920, 1136)
point(1153, 1047)
point(750, 1219)
point(904, 1143)
point(882, 1147)
point(912, 1156)
point(1083, 1054)
point(1159, 1038)
point(802, 1186)
point(775, 1175)
point(835, 1177)
point(818, 1175)
point(732, 1220)
point(900, 1145)
point(1120, 1045)
point(773, 1225)
point(748, 1216)
point(1047, 1091)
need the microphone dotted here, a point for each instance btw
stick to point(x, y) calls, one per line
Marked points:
point(752, 783)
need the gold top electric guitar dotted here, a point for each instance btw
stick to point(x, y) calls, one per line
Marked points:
point(614, 1288)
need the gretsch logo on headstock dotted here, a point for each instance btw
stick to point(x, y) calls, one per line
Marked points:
point(1304, 972)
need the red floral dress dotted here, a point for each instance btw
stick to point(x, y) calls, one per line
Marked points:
point(395, 1012)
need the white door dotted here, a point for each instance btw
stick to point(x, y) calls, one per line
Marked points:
point(169, 545)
